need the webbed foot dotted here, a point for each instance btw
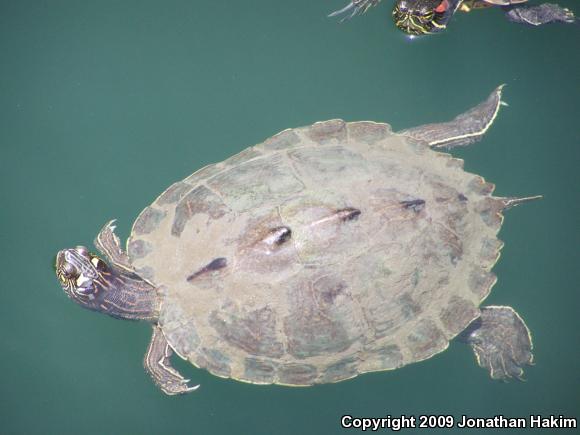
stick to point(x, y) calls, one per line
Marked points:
point(158, 364)
point(358, 7)
point(465, 129)
point(541, 14)
point(501, 342)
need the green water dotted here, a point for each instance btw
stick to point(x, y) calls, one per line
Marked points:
point(103, 104)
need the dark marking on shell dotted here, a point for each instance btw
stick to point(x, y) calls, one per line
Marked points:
point(344, 369)
point(148, 220)
point(410, 309)
point(139, 248)
point(329, 293)
point(258, 250)
point(314, 326)
point(451, 241)
point(253, 332)
point(457, 315)
point(462, 197)
point(348, 214)
point(479, 186)
point(326, 131)
point(490, 211)
point(259, 370)
point(297, 374)
point(441, 189)
point(490, 249)
point(425, 340)
point(414, 204)
point(380, 322)
point(480, 282)
point(388, 315)
point(278, 236)
point(214, 265)
point(390, 356)
point(199, 200)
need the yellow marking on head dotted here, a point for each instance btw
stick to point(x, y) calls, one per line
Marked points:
point(439, 26)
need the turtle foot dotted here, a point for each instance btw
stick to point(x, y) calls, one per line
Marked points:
point(157, 363)
point(358, 7)
point(108, 243)
point(501, 342)
point(465, 129)
point(541, 14)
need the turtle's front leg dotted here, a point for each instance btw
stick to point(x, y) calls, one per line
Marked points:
point(501, 342)
point(158, 364)
point(108, 243)
point(357, 7)
point(541, 14)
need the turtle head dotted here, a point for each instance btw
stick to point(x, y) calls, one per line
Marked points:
point(420, 17)
point(107, 288)
point(82, 276)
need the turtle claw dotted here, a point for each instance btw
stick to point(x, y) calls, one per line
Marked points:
point(157, 363)
point(347, 8)
point(109, 245)
point(190, 389)
point(501, 342)
point(359, 7)
point(176, 385)
point(173, 389)
point(541, 14)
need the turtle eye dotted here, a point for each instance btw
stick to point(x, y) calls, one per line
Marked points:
point(82, 250)
point(98, 263)
point(69, 271)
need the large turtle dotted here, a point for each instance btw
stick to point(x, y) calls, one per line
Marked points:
point(324, 252)
point(418, 17)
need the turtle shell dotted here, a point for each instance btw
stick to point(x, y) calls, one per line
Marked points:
point(321, 253)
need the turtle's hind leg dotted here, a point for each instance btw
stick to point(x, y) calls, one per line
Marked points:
point(501, 342)
point(541, 14)
point(157, 363)
point(465, 129)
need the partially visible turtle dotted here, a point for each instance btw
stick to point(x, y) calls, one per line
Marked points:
point(324, 252)
point(419, 17)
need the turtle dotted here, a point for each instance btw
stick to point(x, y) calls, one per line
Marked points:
point(322, 253)
point(419, 17)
